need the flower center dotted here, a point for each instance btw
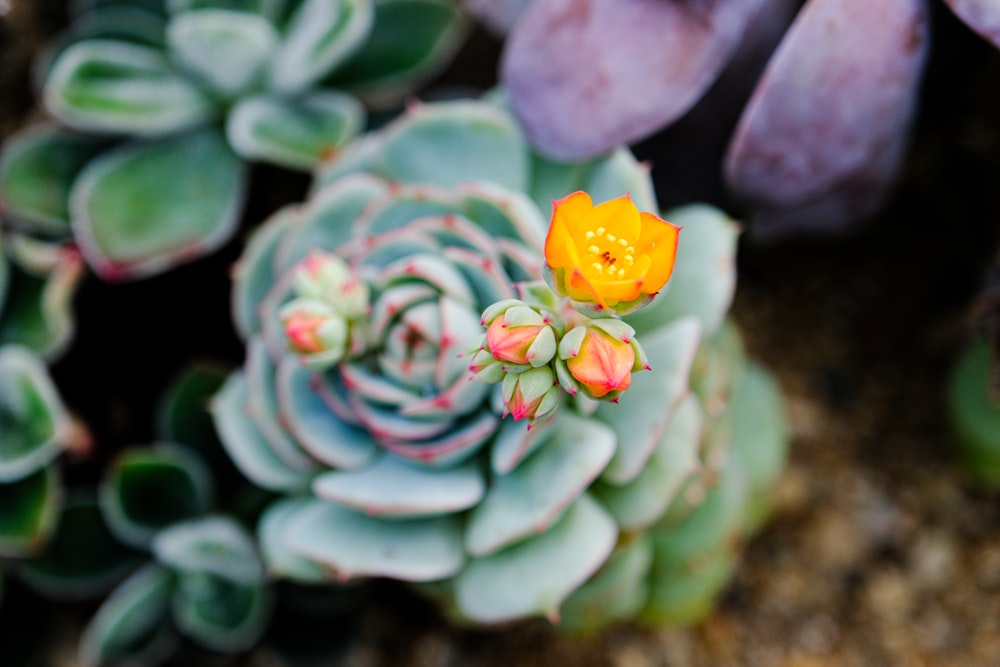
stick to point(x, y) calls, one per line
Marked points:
point(610, 256)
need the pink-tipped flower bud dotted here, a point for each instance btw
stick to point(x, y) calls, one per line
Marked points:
point(315, 332)
point(532, 394)
point(599, 358)
point(326, 277)
point(519, 334)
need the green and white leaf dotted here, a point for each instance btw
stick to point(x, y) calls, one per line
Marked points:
point(293, 132)
point(122, 88)
point(225, 50)
point(146, 206)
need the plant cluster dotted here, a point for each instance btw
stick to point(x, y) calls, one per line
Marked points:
point(507, 382)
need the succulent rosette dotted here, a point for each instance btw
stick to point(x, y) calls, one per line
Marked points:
point(162, 105)
point(470, 430)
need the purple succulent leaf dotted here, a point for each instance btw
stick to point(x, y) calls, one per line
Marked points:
point(822, 138)
point(983, 16)
point(586, 75)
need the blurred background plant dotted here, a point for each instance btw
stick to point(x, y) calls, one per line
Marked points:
point(162, 105)
point(797, 115)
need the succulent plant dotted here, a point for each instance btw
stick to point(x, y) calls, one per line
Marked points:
point(37, 282)
point(168, 101)
point(171, 561)
point(973, 403)
point(35, 428)
point(794, 165)
point(393, 461)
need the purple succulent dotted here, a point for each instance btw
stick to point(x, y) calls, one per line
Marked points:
point(832, 85)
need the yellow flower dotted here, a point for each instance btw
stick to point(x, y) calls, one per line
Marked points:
point(611, 255)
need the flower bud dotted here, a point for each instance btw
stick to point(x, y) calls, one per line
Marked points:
point(531, 394)
point(326, 277)
point(599, 358)
point(315, 332)
point(519, 334)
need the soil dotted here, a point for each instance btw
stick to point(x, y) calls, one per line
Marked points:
point(880, 550)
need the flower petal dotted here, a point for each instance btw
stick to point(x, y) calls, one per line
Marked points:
point(659, 242)
point(618, 216)
point(566, 216)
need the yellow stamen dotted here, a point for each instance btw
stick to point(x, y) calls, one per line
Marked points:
point(593, 250)
point(611, 237)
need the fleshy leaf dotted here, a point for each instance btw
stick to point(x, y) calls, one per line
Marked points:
point(33, 421)
point(534, 495)
point(38, 312)
point(640, 503)
point(574, 106)
point(718, 368)
point(536, 575)
point(800, 157)
point(246, 446)
point(271, 535)
point(974, 413)
point(37, 169)
point(83, 559)
point(603, 178)
point(409, 42)
point(253, 275)
point(225, 50)
point(983, 16)
point(704, 278)
point(120, 87)
point(318, 431)
point(393, 488)
point(319, 36)
point(454, 142)
point(219, 613)
point(689, 594)
point(760, 437)
point(326, 220)
point(645, 411)
point(350, 544)
point(146, 490)
point(221, 600)
point(618, 590)
point(295, 133)
point(132, 624)
point(212, 545)
point(141, 208)
point(29, 508)
point(183, 414)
